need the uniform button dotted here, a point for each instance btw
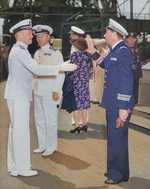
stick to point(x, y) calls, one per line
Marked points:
point(105, 70)
point(105, 87)
point(105, 76)
point(104, 81)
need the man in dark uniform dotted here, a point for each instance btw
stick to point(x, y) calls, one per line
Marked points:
point(136, 66)
point(117, 99)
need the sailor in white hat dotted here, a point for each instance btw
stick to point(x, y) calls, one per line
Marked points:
point(18, 93)
point(47, 92)
point(117, 99)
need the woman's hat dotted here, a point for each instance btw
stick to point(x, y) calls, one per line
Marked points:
point(76, 30)
point(79, 43)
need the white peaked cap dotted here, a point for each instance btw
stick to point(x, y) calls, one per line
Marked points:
point(77, 30)
point(23, 25)
point(40, 29)
point(113, 25)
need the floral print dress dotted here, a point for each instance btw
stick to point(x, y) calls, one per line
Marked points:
point(81, 77)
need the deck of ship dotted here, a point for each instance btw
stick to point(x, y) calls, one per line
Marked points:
point(80, 161)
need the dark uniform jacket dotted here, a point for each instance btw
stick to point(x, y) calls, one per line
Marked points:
point(118, 79)
point(136, 66)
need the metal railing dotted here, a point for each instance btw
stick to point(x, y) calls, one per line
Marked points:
point(143, 16)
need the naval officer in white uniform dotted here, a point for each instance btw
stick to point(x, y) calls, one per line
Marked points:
point(18, 93)
point(47, 92)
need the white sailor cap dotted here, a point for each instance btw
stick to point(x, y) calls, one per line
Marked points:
point(113, 25)
point(40, 29)
point(77, 30)
point(23, 25)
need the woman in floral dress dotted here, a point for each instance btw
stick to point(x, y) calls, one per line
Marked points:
point(80, 78)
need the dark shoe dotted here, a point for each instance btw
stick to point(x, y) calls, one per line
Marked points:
point(111, 181)
point(84, 128)
point(77, 129)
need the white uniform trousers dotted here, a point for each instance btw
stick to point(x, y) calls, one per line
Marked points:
point(46, 120)
point(18, 156)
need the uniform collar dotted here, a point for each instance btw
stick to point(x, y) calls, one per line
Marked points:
point(45, 47)
point(22, 44)
point(116, 44)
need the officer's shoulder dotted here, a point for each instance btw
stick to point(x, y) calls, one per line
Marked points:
point(123, 47)
point(21, 47)
point(52, 48)
point(122, 50)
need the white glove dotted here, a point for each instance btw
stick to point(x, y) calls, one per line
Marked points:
point(67, 67)
point(103, 52)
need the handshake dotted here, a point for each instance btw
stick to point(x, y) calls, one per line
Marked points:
point(90, 46)
point(66, 66)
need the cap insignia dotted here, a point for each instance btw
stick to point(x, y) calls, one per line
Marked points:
point(39, 29)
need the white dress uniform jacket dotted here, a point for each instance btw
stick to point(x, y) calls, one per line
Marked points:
point(21, 68)
point(45, 108)
point(18, 93)
point(46, 85)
